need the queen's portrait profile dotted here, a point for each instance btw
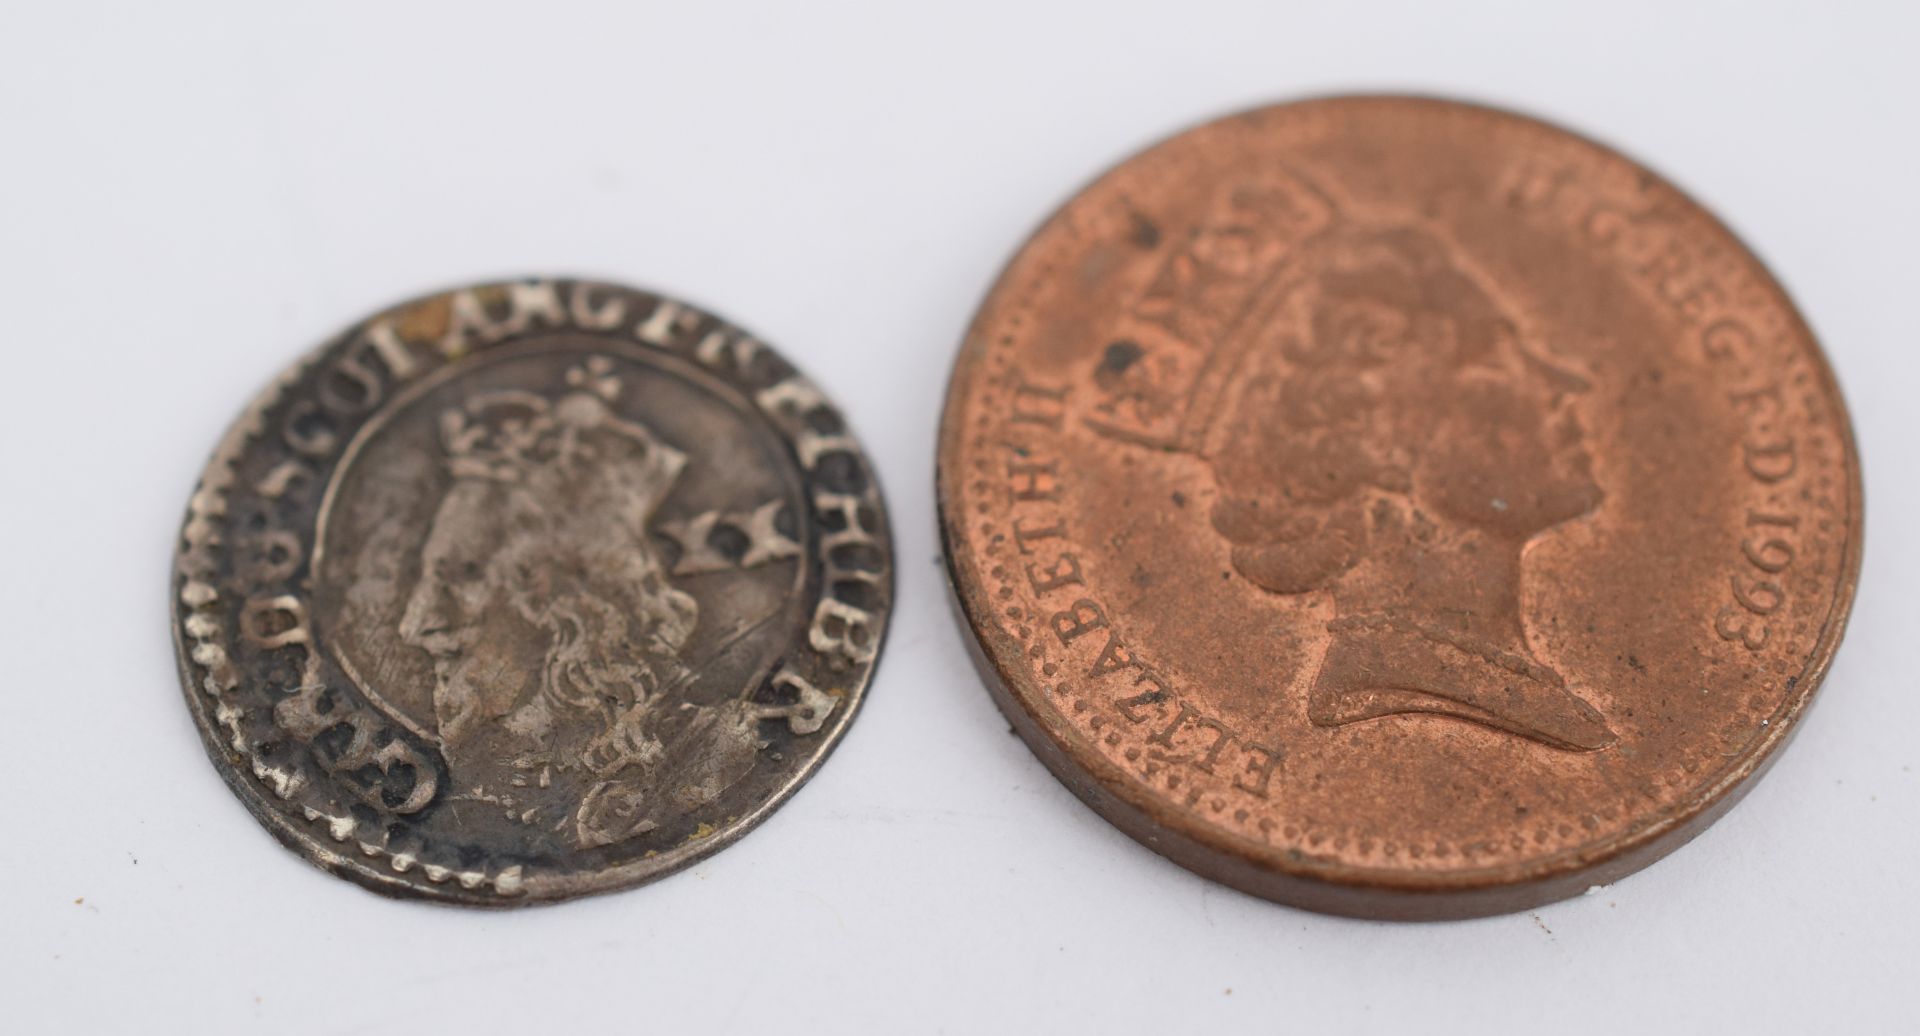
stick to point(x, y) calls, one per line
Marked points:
point(1381, 430)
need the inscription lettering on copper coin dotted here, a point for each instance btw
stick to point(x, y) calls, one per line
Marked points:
point(529, 590)
point(1398, 508)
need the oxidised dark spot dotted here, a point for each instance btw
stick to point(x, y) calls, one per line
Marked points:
point(1145, 233)
point(1119, 357)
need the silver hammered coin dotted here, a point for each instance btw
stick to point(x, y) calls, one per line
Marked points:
point(529, 590)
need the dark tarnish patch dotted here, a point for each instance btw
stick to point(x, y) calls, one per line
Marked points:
point(1119, 357)
point(1145, 233)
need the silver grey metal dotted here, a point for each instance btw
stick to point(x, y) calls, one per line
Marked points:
point(529, 590)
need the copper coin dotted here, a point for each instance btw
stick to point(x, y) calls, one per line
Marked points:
point(1398, 508)
point(529, 590)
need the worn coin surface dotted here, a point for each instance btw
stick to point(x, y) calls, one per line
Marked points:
point(1397, 508)
point(529, 590)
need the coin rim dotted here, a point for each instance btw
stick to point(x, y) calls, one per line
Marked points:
point(1340, 888)
point(249, 425)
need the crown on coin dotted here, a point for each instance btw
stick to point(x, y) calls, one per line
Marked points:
point(1172, 353)
point(572, 448)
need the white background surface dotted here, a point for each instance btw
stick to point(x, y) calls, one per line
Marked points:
point(191, 194)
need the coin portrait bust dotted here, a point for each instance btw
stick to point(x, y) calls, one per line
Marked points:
point(1396, 441)
point(554, 632)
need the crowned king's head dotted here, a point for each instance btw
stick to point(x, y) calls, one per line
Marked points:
point(574, 449)
point(538, 585)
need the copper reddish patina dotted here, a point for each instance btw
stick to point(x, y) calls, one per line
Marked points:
point(1398, 508)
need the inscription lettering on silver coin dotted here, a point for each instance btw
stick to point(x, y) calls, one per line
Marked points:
point(530, 590)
